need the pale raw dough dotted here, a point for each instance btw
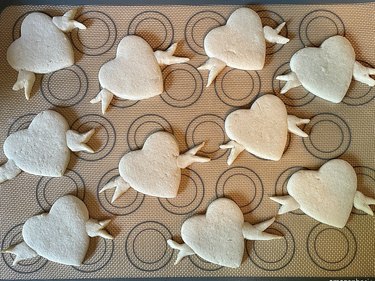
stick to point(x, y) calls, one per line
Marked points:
point(155, 169)
point(261, 130)
point(42, 48)
point(61, 235)
point(327, 71)
point(326, 195)
point(135, 73)
point(241, 43)
point(44, 148)
point(218, 236)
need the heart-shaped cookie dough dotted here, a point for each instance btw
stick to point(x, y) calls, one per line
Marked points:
point(326, 195)
point(218, 236)
point(43, 148)
point(62, 235)
point(327, 71)
point(42, 48)
point(135, 73)
point(155, 169)
point(261, 130)
point(241, 43)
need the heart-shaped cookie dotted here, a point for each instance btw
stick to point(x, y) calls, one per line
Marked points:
point(326, 195)
point(42, 148)
point(262, 130)
point(60, 235)
point(153, 170)
point(217, 237)
point(135, 73)
point(240, 43)
point(326, 71)
point(42, 47)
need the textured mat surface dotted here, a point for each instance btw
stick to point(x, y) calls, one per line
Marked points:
point(193, 113)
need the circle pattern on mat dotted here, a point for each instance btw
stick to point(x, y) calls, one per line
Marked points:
point(198, 26)
point(274, 254)
point(318, 26)
point(89, 41)
point(190, 194)
point(143, 127)
point(153, 26)
point(359, 93)
point(248, 195)
point(365, 184)
point(203, 264)
point(331, 248)
point(48, 189)
point(273, 20)
point(103, 140)
point(236, 87)
point(183, 85)
point(21, 123)
point(13, 237)
point(98, 257)
point(281, 184)
point(126, 204)
point(329, 136)
point(208, 128)
point(146, 246)
point(294, 97)
point(73, 92)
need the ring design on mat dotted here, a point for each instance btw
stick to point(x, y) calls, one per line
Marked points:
point(249, 179)
point(183, 85)
point(294, 97)
point(95, 20)
point(257, 249)
point(334, 142)
point(151, 20)
point(342, 240)
point(198, 26)
point(281, 184)
point(366, 184)
point(190, 196)
point(273, 19)
point(359, 93)
point(143, 127)
point(76, 85)
point(21, 123)
point(100, 258)
point(248, 81)
point(123, 206)
point(148, 256)
point(325, 24)
point(13, 236)
point(203, 264)
point(104, 139)
point(207, 128)
point(48, 190)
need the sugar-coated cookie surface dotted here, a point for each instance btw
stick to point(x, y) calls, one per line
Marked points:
point(43, 148)
point(135, 72)
point(261, 130)
point(327, 71)
point(155, 169)
point(62, 235)
point(218, 236)
point(241, 43)
point(326, 195)
point(42, 48)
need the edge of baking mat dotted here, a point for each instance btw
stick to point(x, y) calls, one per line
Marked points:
point(224, 279)
point(6, 3)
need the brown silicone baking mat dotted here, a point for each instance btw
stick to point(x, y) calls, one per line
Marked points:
point(194, 113)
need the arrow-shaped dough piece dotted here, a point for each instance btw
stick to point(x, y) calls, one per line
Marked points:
point(189, 157)
point(66, 22)
point(77, 141)
point(120, 185)
point(167, 58)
